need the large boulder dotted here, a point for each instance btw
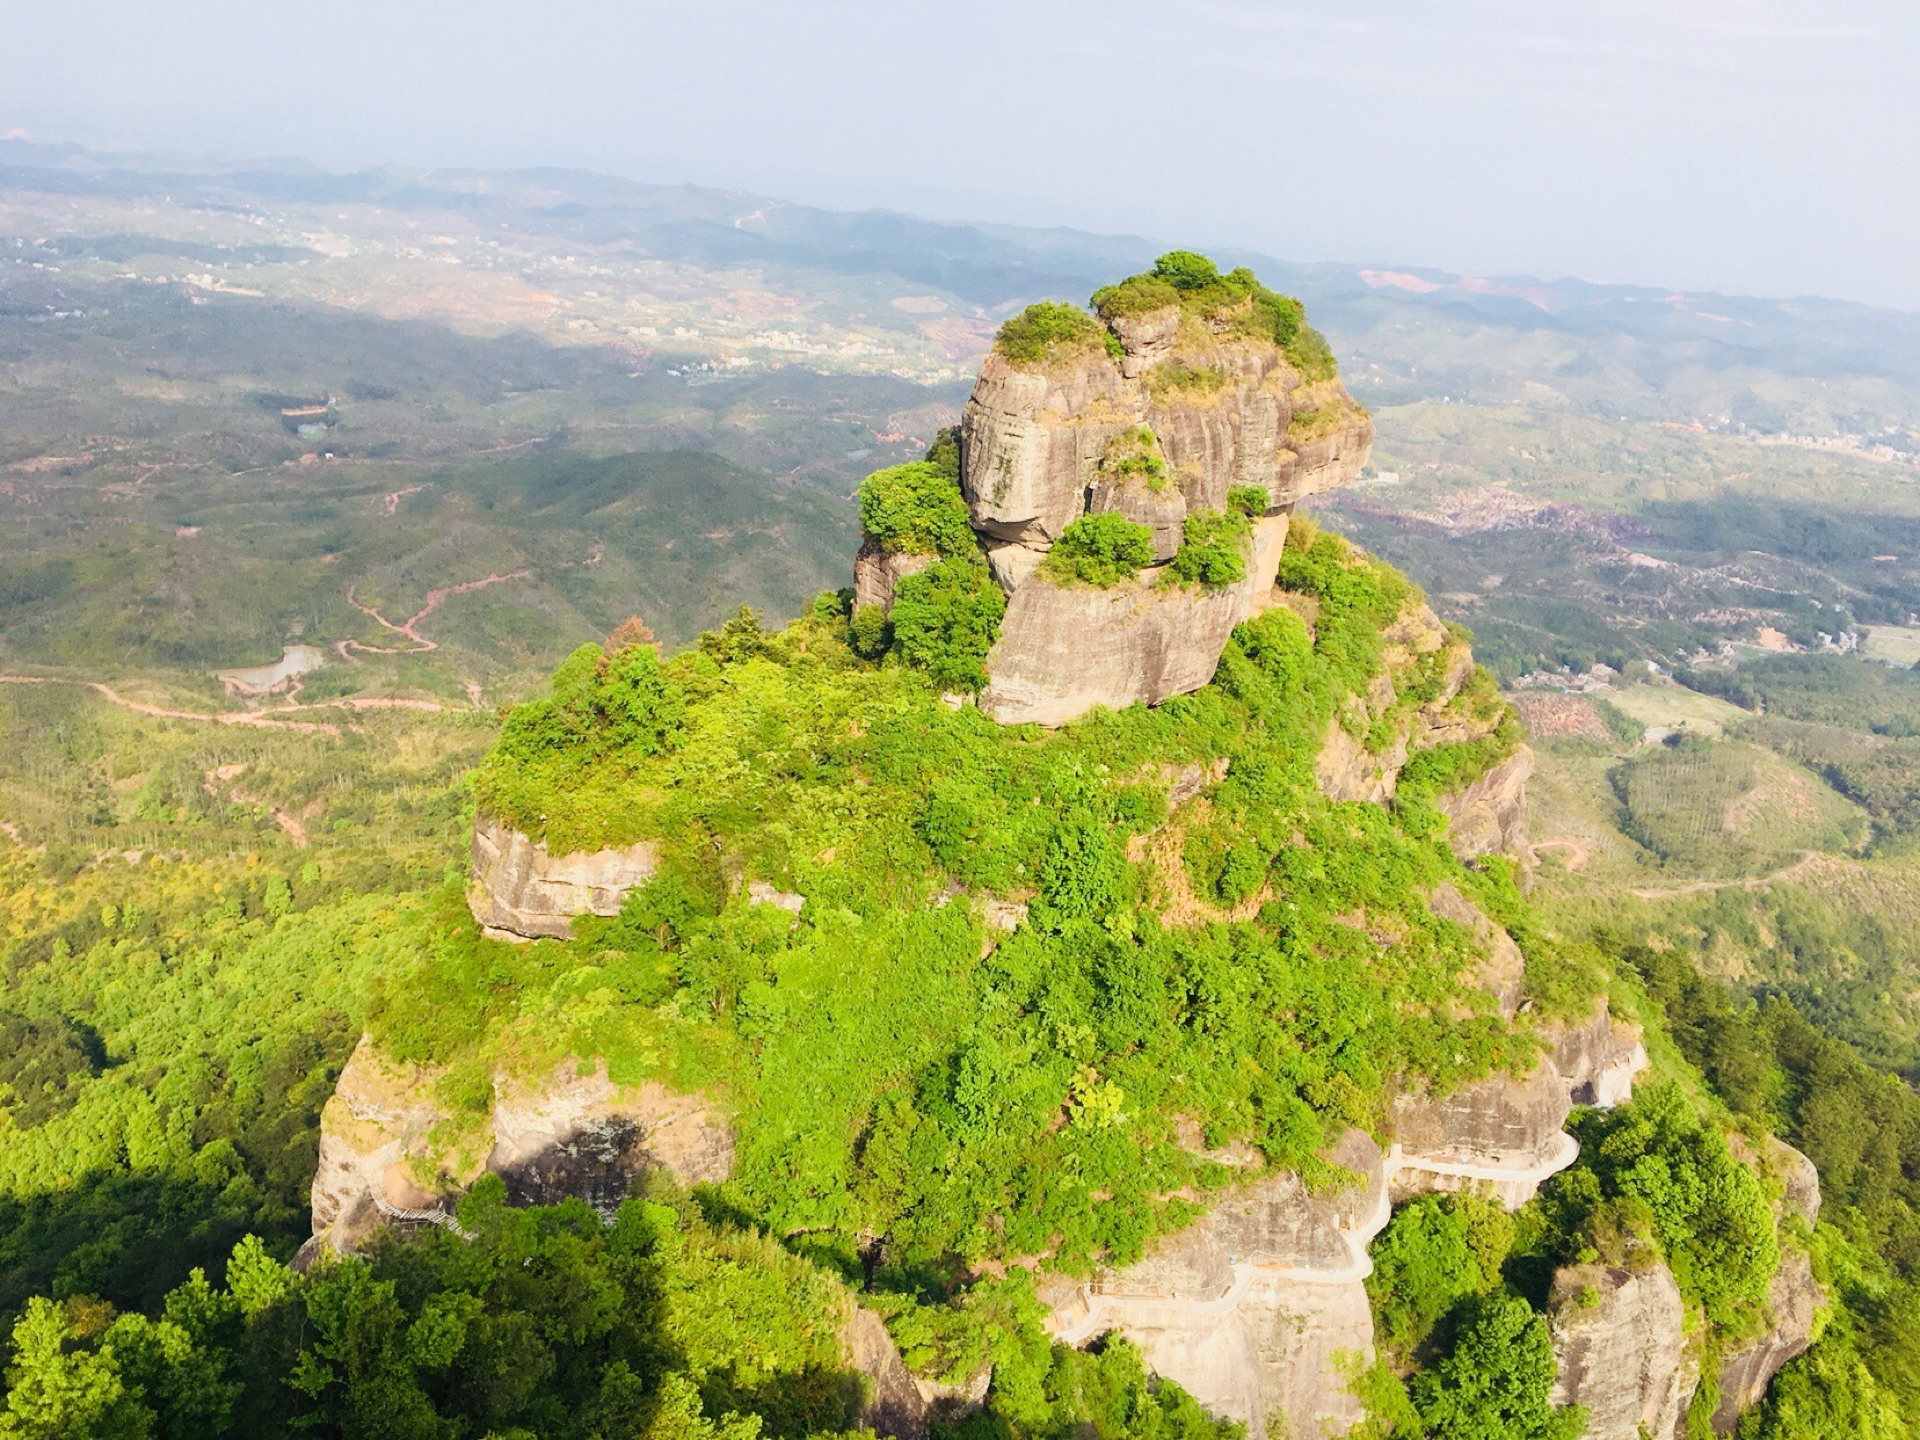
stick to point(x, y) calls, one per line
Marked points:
point(1251, 1308)
point(1064, 649)
point(1599, 1058)
point(1029, 439)
point(1046, 442)
point(878, 571)
point(521, 891)
point(1620, 1348)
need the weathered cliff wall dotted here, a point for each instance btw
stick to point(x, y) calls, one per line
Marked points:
point(389, 1150)
point(1621, 1347)
point(1037, 444)
point(520, 891)
point(1252, 1307)
point(1065, 649)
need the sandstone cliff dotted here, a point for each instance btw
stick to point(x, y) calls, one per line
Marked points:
point(1065, 649)
point(389, 1150)
point(1620, 1344)
point(1255, 1307)
point(1793, 1300)
point(1179, 411)
point(520, 891)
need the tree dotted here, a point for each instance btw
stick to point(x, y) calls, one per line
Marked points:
point(58, 1390)
point(1099, 550)
point(1495, 1384)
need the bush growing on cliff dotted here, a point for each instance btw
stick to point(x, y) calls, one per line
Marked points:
point(1047, 329)
point(945, 620)
point(1099, 550)
point(1213, 550)
point(916, 509)
point(1496, 1382)
point(1436, 1252)
point(1195, 283)
point(620, 705)
point(1134, 457)
point(1653, 1169)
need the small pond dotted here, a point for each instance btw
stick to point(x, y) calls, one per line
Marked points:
point(295, 660)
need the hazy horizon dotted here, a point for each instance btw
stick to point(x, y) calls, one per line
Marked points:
point(1743, 148)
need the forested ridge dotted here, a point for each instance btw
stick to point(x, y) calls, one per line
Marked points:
point(1038, 999)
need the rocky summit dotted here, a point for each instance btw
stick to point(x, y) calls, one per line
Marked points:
point(1195, 407)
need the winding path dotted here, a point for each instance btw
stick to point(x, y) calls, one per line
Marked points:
point(406, 628)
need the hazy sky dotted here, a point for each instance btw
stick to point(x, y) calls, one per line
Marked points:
point(1763, 147)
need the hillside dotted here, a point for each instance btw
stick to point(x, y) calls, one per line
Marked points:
point(1080, 975)
point(956, 1071)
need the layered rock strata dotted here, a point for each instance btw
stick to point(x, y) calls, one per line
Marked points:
point(1255, 1308)
point(521, 891)
point(388, 1149)
point(1216, 411)
point(1620, 1349)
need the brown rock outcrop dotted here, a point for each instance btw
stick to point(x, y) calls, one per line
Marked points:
point(1620, 1345)
point(521, 891)
point(878, 571)
point(1793, 1298)
point(1489, 816)
point(375, 1152)
point(581, 1135)
point(1065, 649)
point(385, 1152)
point(1249, 1308)
point(1504, 1133)
point(1599, 1059)
point(1210, 410)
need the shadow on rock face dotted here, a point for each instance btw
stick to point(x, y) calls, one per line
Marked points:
point(598, 1162)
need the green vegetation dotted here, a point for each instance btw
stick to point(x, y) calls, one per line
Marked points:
point(916, 510)
point(1437, 1252)
point(1134, 457)
point(1213, 549)
point(1099, 550)
point(945, 620)
point(1047, 330)
point(1246, 306)
point(663, 1325)
point(872, 1034)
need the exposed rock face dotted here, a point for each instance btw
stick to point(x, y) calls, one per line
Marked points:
point(1503, 1132)
point(877, 573)
point(1489, 817)
point(1224, 411)
point(584, 1136)
point(894, 1405)
point(1599, 1060)
point(1065, 649)
point(1029, 440)
point(520, 891)
point(1793, 1298)
point(374, 1147)
point(572, 1134)
point(1620, 1343)
point(1248, 1307)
